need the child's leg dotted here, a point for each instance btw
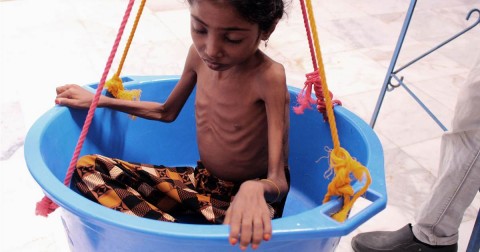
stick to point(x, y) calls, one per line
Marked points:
point(156, 192)
point(142, 190)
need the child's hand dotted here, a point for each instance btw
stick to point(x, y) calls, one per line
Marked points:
point(74, 96)
point(249, 216)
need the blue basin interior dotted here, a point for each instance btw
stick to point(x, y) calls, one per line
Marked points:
point(51, 141)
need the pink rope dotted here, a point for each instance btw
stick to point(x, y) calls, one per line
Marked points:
point(309, 35)
point(46, 205)
point(313, 81)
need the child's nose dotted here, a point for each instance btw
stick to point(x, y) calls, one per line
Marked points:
point(213, 48)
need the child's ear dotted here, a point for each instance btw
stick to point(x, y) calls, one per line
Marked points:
point(266, 34)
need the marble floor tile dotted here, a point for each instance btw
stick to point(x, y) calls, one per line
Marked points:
point(352, 72)
point(406, 194)
point(428, 160)
point(436, 22)
point(401, 114)
point(378, 7)
point(362, 32)
point(443, 90)
point(166, 5)
point(11, 135)
point(328, 10)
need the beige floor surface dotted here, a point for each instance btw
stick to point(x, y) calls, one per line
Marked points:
point(47, 43)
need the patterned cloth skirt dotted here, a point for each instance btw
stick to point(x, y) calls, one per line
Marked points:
point(173, 194)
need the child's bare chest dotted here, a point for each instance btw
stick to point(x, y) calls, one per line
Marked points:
point(235, 102)
point(231, 129)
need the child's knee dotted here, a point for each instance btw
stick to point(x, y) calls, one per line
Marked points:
point(86, 161)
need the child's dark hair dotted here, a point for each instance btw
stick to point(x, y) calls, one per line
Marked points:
point(262, 12)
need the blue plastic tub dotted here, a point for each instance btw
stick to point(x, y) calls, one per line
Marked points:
point(306, 225)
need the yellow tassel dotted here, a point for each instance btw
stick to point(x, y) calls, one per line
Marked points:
point(115, 87)
point(343, 166)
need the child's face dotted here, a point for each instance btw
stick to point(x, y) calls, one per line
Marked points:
point(221, 36)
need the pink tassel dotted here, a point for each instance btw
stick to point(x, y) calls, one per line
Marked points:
point(304, 103)
point(45, 207)
point(304, 98)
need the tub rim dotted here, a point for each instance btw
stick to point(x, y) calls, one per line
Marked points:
point(311, 223)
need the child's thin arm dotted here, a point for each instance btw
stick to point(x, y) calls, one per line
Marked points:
point(277, 100)
point(169, 110)
point(77, 97)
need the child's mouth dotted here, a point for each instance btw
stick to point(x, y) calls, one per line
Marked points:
point(213, 65)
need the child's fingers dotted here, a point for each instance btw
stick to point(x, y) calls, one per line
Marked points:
point(58, 101)
point(232, 239)
point(267, 227)
point(226, 220)
point(65, 92)
point(63, 102)
point(234, 222)
point(258, 232)
point(246, 231)
point(62, 89)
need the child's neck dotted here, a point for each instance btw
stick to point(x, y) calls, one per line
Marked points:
point(243, 68)
point(222, 75)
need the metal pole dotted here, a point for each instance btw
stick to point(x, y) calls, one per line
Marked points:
point(388, 76)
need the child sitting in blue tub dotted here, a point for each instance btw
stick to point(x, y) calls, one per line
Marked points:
point(241, 111)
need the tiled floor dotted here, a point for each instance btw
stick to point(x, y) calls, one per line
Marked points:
point(47, 43)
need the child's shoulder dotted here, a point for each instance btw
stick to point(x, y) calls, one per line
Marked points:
point(272, 71)
point(271, 80)
point(193, 59)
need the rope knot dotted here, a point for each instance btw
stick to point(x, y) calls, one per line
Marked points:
point(345, 169)
point(115, 87)
point(304, 98)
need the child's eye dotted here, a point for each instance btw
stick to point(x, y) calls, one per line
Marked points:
point(233, 41)
point(199, 31)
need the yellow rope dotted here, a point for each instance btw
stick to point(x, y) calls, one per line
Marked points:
point(341, 162)
point(115, 84)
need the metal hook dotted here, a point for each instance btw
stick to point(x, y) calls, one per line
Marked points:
point(470, 14)
point(391, 86)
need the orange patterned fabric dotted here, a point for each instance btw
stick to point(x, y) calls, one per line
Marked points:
point(174, 194)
